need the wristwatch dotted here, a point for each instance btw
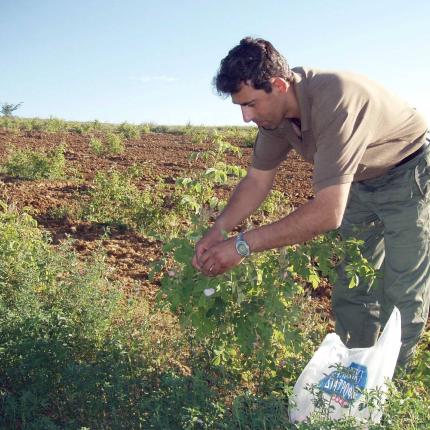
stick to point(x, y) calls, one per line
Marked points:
point(242, 246)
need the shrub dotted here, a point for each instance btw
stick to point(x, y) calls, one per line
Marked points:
point(9, 123)
point(74, 351)
point(114, 144)
point(115, 199)
point(111, 145)
point(96, 146)
point(145, 128)
point(35, 124)
point(54, 125)
point(29, 164)
point(128, 131)
point(76, 128)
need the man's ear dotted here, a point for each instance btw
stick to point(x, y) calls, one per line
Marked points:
point(280, 84)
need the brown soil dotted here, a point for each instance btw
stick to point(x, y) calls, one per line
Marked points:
point(160, 155)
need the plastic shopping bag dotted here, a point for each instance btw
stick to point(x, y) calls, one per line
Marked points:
point(337, 378)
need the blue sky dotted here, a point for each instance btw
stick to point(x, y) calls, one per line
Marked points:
point(153, 61)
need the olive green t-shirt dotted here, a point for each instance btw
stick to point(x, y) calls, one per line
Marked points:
point(352, 129)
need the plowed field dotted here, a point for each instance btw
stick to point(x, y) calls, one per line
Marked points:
point(160, 155)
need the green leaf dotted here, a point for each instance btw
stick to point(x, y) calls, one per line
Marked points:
point(354, 281)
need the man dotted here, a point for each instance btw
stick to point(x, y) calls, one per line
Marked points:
point(371, 178)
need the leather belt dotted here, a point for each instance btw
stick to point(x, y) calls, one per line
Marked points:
point(410, 157)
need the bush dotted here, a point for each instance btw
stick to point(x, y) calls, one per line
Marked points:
point(115, 199)
point(74, 351)
point(113, 144)
point(128, 131)
point(55, 125)
point(35, 124)
point(9, 123)
point(29, 164)
point(96, 146)
point(145, 128)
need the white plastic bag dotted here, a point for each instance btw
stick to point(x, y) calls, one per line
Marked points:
point(339, 375)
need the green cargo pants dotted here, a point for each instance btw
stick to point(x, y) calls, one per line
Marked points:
point(391, 214)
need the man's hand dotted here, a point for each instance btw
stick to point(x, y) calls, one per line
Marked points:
point(219, 258)
point(212, 237)
point(246, 198)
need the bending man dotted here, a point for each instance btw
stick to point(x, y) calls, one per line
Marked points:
point(371, 178)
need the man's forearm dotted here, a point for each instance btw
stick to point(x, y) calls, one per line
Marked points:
point(245, 200)
point(317, 216)
point(323, 213)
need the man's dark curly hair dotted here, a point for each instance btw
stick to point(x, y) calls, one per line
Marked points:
point(253, 60)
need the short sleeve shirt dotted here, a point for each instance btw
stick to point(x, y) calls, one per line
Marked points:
point(352, 129)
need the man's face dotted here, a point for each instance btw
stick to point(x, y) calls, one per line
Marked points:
point(267, 110)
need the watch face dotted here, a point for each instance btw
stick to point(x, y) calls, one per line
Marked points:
point(242, 249)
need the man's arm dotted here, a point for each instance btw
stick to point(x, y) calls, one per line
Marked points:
point(321, 214)
point(246, 198)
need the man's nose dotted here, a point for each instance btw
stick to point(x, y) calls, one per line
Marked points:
point(246, 113)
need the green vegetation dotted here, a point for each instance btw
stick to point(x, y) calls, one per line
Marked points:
point(129, 131)
point(111, 144)
point(29, 164)
point(238, 134)
point(78, 351)
point(114, 144)
point(74, 350)
point(115, 200)
point(96, 146)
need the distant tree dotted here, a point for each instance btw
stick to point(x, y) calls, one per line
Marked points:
point(8, 108)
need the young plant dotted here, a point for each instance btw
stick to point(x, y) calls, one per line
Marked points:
point(96, 146)
point(29, 164)
point(115, 199)
point(145, 128)
point(249, 310)
point(114, 144)
point(128, 131)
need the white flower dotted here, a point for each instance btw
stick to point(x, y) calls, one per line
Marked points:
point(209, 292)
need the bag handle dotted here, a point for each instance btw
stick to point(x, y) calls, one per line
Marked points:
point(392, 328)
